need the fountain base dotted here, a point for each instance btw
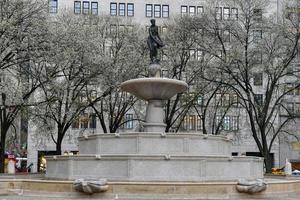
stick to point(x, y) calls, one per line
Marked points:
point(154, 157)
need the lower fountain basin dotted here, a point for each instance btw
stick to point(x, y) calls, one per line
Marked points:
point(154, 88)
point(154, 167)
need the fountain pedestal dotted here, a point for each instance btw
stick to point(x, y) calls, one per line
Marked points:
point(155, 116)
point(155, 91)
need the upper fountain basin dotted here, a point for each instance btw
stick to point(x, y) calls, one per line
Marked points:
point(154, 88)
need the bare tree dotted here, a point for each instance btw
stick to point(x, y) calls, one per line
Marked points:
point(21, 40)
point(125, 53)
point(179, 59)
point(73, 62)
point(250, 47)
point(184, 59)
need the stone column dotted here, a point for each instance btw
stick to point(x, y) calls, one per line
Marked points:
point(155, 116)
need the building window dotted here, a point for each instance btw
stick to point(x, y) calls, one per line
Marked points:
point(218, 99)
point(184, 123)
point(53, 6)
point(199, 55)
point(77, 7)
point(257, 35)
point(184, 10)
point(258, 58)
point(200, 101)
point(3, 78)
point(226, 13)
point(130, 9)
point(148, 10)
point(113, 29)
point(113, 9)
point(164, 29)
point(93, 123)
point(129, 28)
point(121, 9)
point(93, 95)
point(94, 6)
point(122, 28)
point(226, 35)
point(292, 89)
point(226, 123)
point(199, 123)
point(164, 73)
point(289, 89)
point(257, 79)
point(218, 32)
point(85, 121)
point(297, 108)
point(297, 90)
point(257, 14)
point(192, 11)
point(75, 124)
point(234, 100)
point(234, 123)
point(129, 121)
point(200, 10)
point(219, 122)
point(234, 14)
point(292, 12)
point(258, 99)
point(157, 11)
point(218, 12)
point(290, 107)
point(85, 7)
point(192, 53)
point(165, 11)
point(192, 122)
point(226, 100)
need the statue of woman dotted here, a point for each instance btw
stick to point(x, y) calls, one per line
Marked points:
point(154, 42)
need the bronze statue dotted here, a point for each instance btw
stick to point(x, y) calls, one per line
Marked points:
point(154, 42)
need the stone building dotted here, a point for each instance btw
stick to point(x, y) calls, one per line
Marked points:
point(141, 12)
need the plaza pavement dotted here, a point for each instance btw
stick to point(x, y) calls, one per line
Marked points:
point(19, 195)
point(290, 197)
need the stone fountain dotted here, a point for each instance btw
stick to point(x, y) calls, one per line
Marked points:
point(154, 91)
point(154, 155)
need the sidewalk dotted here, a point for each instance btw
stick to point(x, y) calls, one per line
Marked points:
point(22, 175)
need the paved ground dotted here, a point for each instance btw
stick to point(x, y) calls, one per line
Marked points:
point(43, 196)
point(294, 197)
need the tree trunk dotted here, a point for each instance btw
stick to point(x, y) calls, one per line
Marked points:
point(58, 147)
point(268, 162)
point(167, 128)
point(2, 157)
point(60, 136)
point(2, 147)
point(103, 125)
